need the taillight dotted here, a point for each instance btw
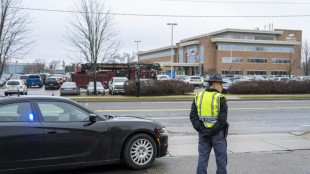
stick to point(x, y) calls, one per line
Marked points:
point(61, 89)
point(74, 88)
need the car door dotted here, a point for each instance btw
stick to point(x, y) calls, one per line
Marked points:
point(69, 136)
point(21, 136)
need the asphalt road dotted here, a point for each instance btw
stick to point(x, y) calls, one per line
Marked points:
point(245, 117)
point(287, 162)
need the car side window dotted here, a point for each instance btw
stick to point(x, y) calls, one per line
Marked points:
point(17, 112)
point(62, 112)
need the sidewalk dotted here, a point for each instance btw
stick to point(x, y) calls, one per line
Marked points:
point(188, 145)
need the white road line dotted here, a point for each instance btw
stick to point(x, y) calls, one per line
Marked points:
point(306, 125)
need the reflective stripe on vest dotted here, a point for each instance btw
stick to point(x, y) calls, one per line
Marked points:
point(208, 107)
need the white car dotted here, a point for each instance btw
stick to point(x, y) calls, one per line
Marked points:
point(116, 85)
point(163, 77)
point(193, 80)
point(24, 78)
point(15, 87)
point(99, 88)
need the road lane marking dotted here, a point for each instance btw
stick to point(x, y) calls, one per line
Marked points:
point(156, 110)
point(306, 125)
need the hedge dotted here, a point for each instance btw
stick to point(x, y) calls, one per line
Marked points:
point(270, 87)
point(158, 87)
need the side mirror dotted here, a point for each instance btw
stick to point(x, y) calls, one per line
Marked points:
point(92, 118)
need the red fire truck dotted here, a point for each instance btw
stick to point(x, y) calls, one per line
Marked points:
point(105, 72)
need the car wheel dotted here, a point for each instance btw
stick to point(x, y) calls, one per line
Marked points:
point(140, 151)
point(6, 94)
point(112, 92)
point(103, 93)
point(26, 93)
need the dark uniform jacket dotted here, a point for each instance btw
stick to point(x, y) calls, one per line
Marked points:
point(218, 126)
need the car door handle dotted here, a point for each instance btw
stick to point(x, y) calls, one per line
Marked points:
point(52, 132)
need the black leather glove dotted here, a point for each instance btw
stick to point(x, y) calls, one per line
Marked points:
point(206, 134)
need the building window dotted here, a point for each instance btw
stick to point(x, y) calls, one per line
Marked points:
point(202, 49)
point(260, 48)
point(156, 55)
point(279, 61)
point(181, 56)
point(256, 73)
point(226, 72)
point(231, 60)
point(263, 38)
point(257, 60)
point(279, 73)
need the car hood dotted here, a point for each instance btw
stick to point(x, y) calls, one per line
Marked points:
point(132, 119)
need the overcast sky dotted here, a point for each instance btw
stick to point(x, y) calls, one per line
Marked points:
point(49, 28)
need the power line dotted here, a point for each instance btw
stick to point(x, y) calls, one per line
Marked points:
point(164, 15)
point(244, 2)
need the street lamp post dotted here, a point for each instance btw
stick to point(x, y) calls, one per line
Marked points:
point(172, 24)
point(137, 41)
point(231, 60)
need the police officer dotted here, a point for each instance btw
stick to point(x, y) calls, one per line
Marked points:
point(138, 86)
point(209, 118)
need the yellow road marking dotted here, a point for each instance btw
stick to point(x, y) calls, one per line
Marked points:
point(143, 110)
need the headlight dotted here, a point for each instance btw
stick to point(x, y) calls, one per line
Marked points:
point(162, 131)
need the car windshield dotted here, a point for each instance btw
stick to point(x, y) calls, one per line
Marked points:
point(119, 80)
point(34, 76)
point(162, 77)
point(51, 80)
point(13, 83)
point(23, 77)
point(195, 78)
point(69, 84)
point(91, 84)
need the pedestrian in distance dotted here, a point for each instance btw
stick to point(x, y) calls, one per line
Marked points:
point(209, 118)
point(138, 86)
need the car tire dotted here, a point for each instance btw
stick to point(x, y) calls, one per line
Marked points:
point(112, 92)
point(40, 86)
point(139, 151)
point(6, 94)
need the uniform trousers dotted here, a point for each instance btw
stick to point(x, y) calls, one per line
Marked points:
point(219, 144)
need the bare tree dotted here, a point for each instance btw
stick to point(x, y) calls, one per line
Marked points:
point(39, 65)
point(305, 53)
point(54, 64)
point(14, 32)
point(125, 58)
point(92, 33)
point(291, 66)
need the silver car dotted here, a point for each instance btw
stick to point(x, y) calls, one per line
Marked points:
point(99, 87)
point(15, 87)
point(69, 88)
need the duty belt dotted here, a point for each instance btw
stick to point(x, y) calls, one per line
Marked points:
point(208, 119)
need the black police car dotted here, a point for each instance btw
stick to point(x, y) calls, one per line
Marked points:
point(43, 132)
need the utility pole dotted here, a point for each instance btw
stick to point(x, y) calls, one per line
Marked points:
point(137, 41)
point(172, 24)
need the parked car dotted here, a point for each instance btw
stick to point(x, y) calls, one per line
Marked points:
point(34, 80)
point(242, 80)
point(24, 78)
point(281, 79)
point(39, 132)
point(307, 78)
point(52, 82)
point(99, 87)
point(69, 88)
point(116, 85)
point(43, 76)
point(163, 77)
point(193, 80)
point(180, 77)
point(15, 87)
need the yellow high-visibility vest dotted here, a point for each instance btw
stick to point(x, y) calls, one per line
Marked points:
point(208, 107)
